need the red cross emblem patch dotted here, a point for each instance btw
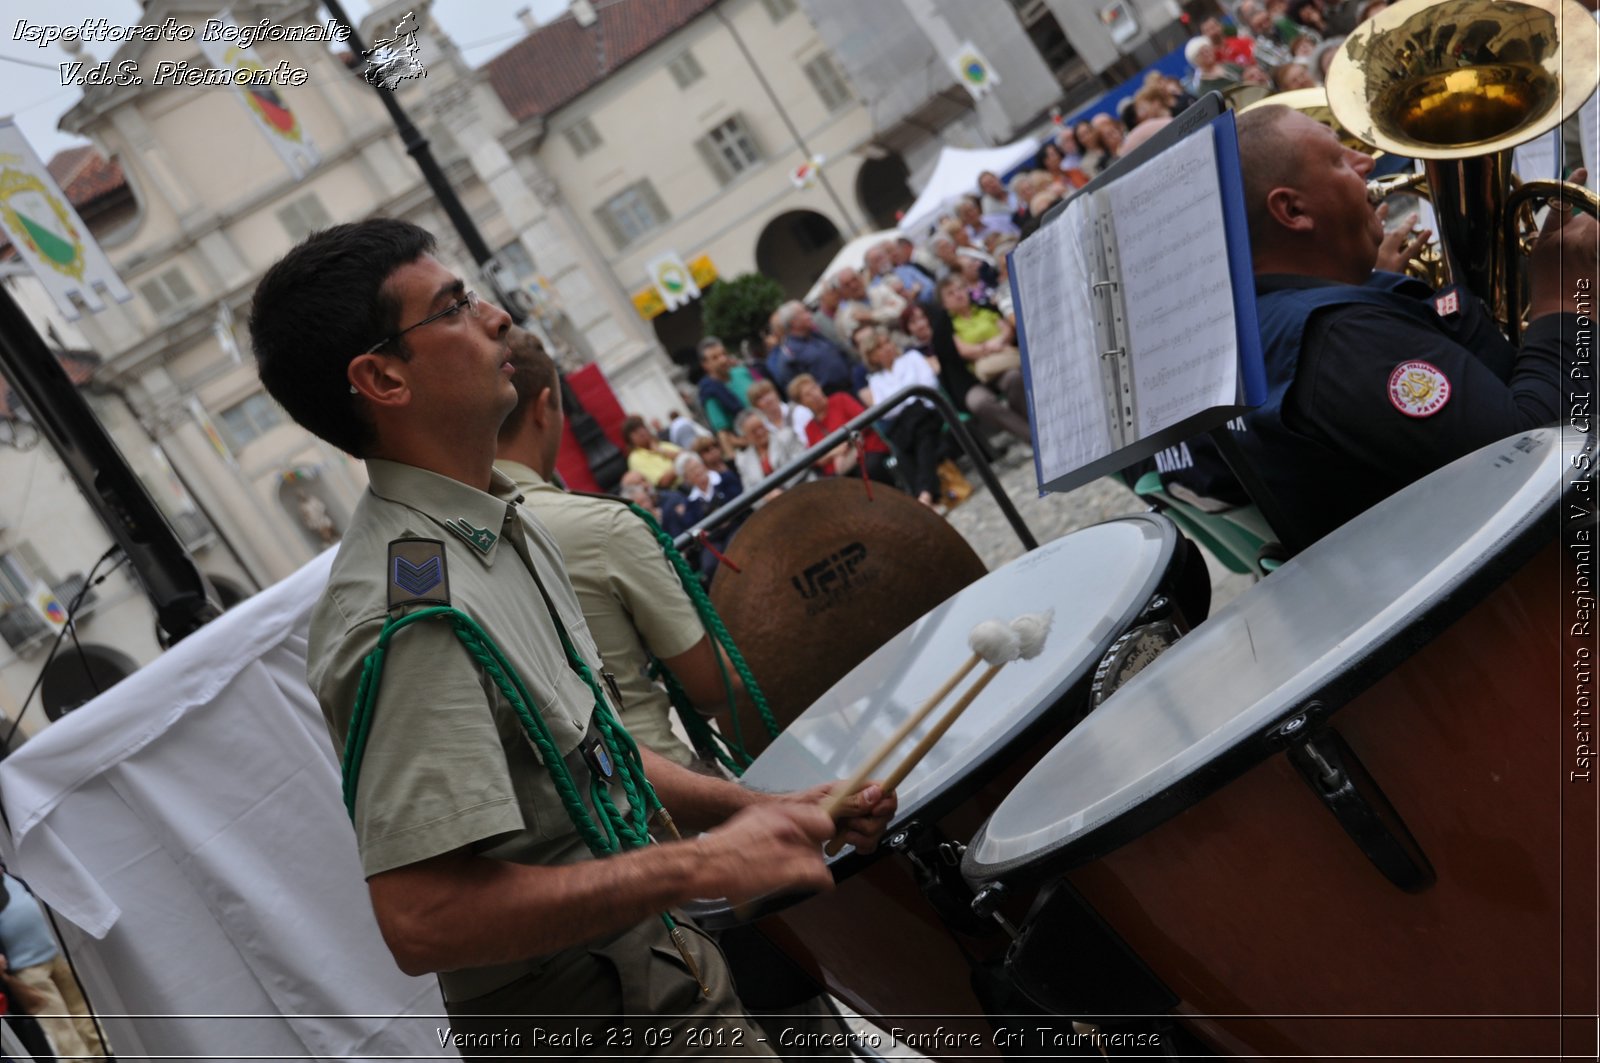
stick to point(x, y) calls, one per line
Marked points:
point(1418, 389)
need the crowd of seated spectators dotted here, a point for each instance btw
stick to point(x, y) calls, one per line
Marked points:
point(934, 307)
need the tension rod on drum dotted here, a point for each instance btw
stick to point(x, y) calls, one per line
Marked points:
point(1333, 771)
point(986, 905)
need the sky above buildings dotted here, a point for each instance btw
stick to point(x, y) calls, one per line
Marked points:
point(31, 89)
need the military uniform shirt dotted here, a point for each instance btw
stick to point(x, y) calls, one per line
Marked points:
point(447, 763)
point(630, 596)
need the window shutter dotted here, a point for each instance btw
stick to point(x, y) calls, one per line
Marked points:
point(612, 229)
point(156, 296)
point(828, 82)
point(685, 70)
point(749, 135)
point(34, 565)
point(178, 286)
point(714, 160)
point(658, 208)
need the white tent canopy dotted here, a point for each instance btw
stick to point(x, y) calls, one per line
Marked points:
point(854, 255)
point(956, 174)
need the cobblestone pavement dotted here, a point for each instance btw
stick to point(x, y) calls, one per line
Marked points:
point(979, 519)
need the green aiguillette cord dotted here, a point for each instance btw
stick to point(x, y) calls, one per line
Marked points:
point(609, 832)
point(729, 749)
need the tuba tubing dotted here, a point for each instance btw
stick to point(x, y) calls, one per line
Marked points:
point(1565, 193)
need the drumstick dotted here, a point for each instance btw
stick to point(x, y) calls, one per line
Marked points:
point(991, 640)
point(994, 641)
point(1032, 629)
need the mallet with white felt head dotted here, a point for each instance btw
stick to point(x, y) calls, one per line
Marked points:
point(994, 641)
point(1031, 630)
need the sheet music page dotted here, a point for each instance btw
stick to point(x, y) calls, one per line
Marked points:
point(1182, 341)
point(1053, 289)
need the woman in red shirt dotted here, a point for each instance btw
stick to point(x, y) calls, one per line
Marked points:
point(831, 412)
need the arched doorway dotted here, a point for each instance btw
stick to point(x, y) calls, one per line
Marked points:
point(795, 248)
point(883, 189)
point(78, 674)
point(680, 331)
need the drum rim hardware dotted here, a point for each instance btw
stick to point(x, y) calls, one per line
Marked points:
point(1108, 674)
point(1118, 973)
point(1337, 776)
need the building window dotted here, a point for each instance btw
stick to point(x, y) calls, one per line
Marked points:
point(582, 137)
point(22, 573)
point(302, 217)
point(729, 149)
point(632, 213)
point(516, 259)
point(685, 70)
point(20, 625)
point(16, 580)
point(778, 9)
point(250, 419)
point(167, 293)
point(829, 83)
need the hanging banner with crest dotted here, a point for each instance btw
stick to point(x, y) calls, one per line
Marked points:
point(672, 280)
point(48, 234)
point(268, 109)
point(973, 71)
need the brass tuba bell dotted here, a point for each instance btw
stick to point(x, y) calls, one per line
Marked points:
point(1458, 84)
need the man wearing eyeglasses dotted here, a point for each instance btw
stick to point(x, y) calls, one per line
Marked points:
point(474, 848)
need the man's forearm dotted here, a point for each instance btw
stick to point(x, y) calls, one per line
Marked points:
point(461, 910)
point(697, 802)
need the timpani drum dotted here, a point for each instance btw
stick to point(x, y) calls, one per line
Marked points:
point(1328, 822)
point(898, 938)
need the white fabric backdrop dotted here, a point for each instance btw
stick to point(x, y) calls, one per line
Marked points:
point(189, 825)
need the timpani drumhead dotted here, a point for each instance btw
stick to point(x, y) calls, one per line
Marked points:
point(1097, 580)
point(1322, 628)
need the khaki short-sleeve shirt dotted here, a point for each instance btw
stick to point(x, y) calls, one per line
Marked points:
point(632, 599)
point(447, 762)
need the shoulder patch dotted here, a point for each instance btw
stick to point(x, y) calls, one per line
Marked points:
point(1448, 304)
point(1418, 388)
point(417, 573)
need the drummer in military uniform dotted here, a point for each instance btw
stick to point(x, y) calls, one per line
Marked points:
point(483, 769)
point(636, 608)
point(635, 605)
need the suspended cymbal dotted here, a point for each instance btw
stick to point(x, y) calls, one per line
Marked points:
point(826, 577)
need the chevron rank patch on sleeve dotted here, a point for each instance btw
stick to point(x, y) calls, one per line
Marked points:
point(417, 573)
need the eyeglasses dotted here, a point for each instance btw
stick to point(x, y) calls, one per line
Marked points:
point(468, 302)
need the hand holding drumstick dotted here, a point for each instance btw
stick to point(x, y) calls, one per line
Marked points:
point(993, 641)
